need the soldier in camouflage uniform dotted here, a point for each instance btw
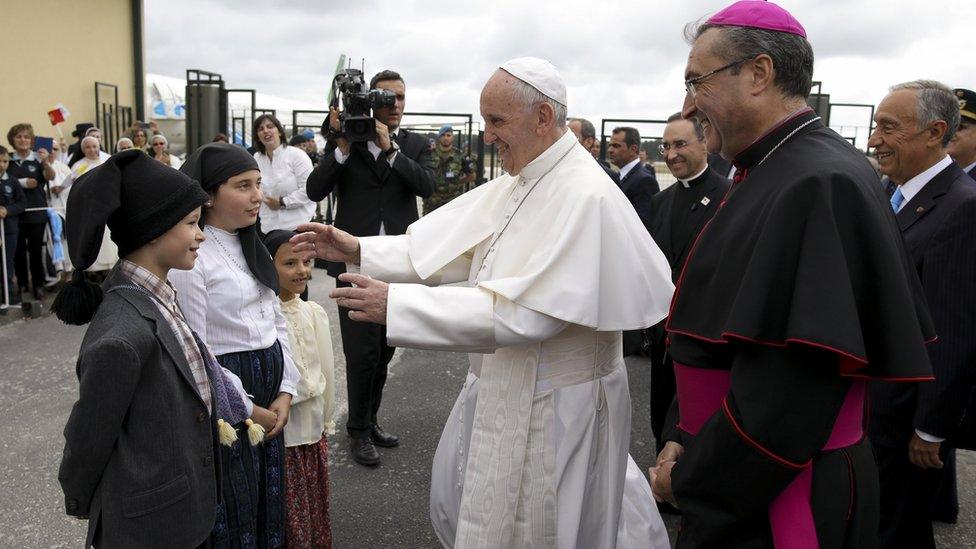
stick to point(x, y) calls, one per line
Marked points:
point(449, 179)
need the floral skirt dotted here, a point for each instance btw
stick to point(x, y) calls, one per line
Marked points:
point(307, 474)
point(251, 513)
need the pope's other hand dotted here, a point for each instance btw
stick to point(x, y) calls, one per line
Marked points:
point(366, 302)
point(325, 242)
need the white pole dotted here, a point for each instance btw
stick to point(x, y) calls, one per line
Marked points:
point(3, 259)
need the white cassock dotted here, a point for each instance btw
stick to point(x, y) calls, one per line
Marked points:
point(535, 452)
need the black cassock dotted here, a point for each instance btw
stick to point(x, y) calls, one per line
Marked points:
point(797, 291)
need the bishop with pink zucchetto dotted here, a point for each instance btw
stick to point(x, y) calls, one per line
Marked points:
point(796, 294)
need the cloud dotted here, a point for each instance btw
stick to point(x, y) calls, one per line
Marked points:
point(620, 59)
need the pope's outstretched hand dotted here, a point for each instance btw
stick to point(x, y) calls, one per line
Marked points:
point(366, 299)
point(326, 242)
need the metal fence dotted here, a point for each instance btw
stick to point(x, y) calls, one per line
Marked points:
point(110, 117)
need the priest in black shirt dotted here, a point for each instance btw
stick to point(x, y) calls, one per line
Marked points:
point(796, 291)
point(675, 217)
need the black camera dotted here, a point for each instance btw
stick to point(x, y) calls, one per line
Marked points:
point(356, 122)
point(467, 165)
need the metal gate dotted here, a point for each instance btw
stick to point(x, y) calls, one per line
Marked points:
point(110, 117)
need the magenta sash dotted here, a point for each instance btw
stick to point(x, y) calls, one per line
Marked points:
point(702, 391)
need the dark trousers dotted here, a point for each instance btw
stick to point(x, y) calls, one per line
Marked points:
point(367, 359)
point(11, 230)
point(30, 243)
point(663, 389)
point(907, 494)
point(945, 508)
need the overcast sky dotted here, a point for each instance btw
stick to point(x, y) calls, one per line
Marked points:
point(620, 59)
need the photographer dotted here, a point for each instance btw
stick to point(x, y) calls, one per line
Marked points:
point(451, 171)
point(376, 183)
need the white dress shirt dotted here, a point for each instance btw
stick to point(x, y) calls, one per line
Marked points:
point(228, 308)
point(911, 187)
point(284, 176)
point(627, 167)
point(969, 168)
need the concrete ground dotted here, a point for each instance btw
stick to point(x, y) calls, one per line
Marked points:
point(382, 507)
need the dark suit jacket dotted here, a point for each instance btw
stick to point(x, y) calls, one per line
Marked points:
point(615, 176)
point(719, 165)
point(659, 220)
point(640, 186)
point(139, 443)
point(371, 192)
point(972, 174)
point(937, 225)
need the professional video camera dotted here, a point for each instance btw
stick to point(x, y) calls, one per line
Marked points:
point(356, 122)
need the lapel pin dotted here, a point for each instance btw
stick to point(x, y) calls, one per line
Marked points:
point(705, 200)
point(919, 210)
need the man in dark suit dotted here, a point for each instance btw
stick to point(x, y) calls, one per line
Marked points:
point(934, 204)
point(677, 214)
point(376, 184)
point(636, 181)
point(585, 133)
point(962, 148)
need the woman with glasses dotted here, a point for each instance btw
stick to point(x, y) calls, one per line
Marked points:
point(160, 151)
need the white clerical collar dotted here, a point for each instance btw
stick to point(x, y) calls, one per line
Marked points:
point(685, 182)
point(911, 187)
point(545, 161)
point(627, 167)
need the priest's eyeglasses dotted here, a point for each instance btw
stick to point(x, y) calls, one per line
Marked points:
point(663, 148)
point(692, 83)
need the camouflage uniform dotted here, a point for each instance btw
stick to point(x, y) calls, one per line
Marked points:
point(448, 183)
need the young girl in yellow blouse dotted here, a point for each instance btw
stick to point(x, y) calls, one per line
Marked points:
point(306, 446)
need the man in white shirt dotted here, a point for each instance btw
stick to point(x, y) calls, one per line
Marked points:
point(934, 204)
point(535, 452)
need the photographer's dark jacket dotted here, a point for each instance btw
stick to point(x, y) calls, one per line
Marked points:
point(371, 193)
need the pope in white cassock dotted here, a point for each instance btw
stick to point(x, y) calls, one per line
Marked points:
point(557, 263)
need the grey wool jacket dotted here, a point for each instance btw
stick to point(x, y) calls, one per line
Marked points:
point(140, 447)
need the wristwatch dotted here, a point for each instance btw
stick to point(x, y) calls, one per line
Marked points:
point(393, 148)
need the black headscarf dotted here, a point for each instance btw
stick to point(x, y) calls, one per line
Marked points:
point(274, 239)
point(212, 165)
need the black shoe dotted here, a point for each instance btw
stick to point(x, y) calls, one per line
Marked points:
point(383, 439)
point(39, 294)
point(363, 452)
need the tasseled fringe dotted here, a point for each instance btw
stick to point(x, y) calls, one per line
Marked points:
point(226, 433)
point(255, 433)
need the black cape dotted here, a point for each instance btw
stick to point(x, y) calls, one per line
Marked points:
point(805, 250)
point(799, 282)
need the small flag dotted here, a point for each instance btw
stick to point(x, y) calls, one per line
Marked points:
point(58, 115)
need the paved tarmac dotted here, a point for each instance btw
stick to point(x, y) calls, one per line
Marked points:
point(385, 507)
